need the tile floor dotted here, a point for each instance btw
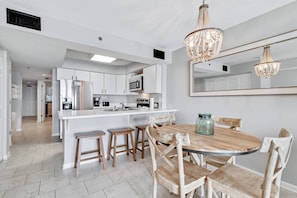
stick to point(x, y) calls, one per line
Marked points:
point(34, 170)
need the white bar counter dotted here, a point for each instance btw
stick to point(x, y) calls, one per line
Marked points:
point(98, 119)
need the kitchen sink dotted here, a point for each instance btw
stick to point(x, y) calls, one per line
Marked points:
point(120, 109)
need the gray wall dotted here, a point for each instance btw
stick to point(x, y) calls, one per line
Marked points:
point(261, 115)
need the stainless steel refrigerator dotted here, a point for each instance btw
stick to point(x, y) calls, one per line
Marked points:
point(76, 95)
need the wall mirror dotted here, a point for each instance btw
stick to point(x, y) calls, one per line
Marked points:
point(232, 72)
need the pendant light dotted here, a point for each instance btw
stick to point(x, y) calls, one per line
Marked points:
point(204, 43)
point(267, 67)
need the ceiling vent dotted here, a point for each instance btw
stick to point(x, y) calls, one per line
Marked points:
point(23, 19)
point(159, 54)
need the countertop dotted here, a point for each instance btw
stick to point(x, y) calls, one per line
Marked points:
point(80, 114)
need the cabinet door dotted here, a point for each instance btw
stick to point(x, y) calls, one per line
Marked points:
point(97, 79)
point(152, 79)
point(121, 84)
point(110, 83)
point(66, 74)
point(82, 75)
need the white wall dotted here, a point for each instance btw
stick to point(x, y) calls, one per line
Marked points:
point(29, 100)
point(261, 115)
point(16, 105)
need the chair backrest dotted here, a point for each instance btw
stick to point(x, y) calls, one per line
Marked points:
point(279, 150)
point(232, 123)
point(161, 120)
point(159, 155)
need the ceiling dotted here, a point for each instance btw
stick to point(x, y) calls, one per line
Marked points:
point(161, 24)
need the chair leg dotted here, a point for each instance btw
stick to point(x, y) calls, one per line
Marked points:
point(142, 146)
point(98, 147)
point(155, 186)
point(136, 139)
point(76, 153)
point(102, 154)
point(109, 146)
point(133, 146)
point(209, 189)
point(114, 151)
point(127, 144)
point(78, 157)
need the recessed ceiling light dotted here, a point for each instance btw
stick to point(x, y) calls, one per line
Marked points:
point(100, 58)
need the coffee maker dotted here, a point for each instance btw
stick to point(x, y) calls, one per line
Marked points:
point(96, 101)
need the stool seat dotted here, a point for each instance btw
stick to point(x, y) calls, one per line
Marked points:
point(100, 150)
point(126, 131)
point(141, 128)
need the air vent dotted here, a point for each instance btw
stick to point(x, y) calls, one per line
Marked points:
point(23, 19)
point(159, 54)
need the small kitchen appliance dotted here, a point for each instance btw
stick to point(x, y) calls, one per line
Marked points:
point(143, 102)
point(136, 84)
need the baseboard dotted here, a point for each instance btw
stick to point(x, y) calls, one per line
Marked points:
point(55, 134)
point(71, 165)
point(5, 157)
point(284, 185)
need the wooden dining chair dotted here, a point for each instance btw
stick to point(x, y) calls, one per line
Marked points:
point(235, 181)
point(161, 120)
point(177, 175)
point(218, 161)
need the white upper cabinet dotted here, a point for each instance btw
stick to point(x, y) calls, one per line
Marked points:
point(70, 74)
point(152, 79)
point(121, 85)
point(98, 82)
point(110, 83)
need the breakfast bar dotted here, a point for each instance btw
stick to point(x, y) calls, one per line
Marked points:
point(98, 119)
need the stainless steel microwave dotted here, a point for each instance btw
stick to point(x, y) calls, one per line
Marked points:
point(136, 84)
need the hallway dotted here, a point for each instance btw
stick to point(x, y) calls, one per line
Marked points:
point(35, 170)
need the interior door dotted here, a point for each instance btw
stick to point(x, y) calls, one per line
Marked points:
point(40, 101)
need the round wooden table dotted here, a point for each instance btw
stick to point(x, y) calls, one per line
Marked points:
point(226, 142)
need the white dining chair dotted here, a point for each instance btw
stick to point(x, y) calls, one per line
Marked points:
point(218, 161)
point(177, 175)
point(236, 181)
point(161, 120)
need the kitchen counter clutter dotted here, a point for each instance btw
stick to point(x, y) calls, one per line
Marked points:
point(107, 112)
point(79, 121)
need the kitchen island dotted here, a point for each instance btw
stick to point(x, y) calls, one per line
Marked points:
point(98, 119)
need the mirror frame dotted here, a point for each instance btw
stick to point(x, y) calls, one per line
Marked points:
point(245, 92)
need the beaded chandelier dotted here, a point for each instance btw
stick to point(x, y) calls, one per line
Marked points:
point(204, 43)
point(267, 67)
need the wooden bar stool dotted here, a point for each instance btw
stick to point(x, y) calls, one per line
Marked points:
point(126, 131)
point(141, 128)
point(100, 150)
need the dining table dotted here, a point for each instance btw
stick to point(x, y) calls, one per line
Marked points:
point(224, 141)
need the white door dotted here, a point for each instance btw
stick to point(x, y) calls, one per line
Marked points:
point(1, 108)
point(40, 101)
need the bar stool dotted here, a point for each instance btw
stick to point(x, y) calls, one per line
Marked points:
point(100, 150)
point(126, 131)
point(141, 128)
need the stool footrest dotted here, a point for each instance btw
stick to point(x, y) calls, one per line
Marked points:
point(89, 152)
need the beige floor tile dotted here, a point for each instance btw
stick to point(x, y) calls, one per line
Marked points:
point(120, 174)
point(97, 184)
point(74, 191)
point(12, 182)
point(122, 190)
point(7, 173)
point(54, 183)
point(25, 191)
point(100, 194)
point(39, 176)
point(51, 194)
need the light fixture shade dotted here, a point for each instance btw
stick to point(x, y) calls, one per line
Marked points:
point(267, 67)
point(204, 43)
